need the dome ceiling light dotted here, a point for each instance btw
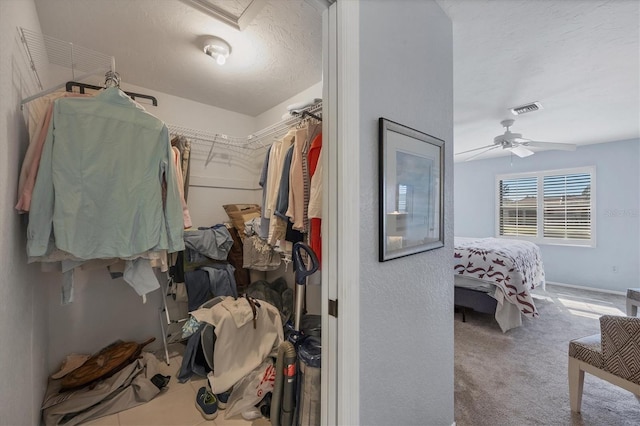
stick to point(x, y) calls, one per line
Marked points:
point(218, 49)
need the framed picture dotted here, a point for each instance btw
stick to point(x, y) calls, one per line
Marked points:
point(411, 179)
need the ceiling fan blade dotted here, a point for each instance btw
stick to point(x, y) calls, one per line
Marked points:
point(521, 151)
point(474, 149)
point(480, 153)
point(550, 145)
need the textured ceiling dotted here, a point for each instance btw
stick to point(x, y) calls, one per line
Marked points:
point(158, 44)
point(580, 59)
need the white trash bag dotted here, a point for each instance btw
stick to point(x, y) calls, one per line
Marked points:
point(250, 390)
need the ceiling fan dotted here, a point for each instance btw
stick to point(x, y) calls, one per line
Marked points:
point(515, 143)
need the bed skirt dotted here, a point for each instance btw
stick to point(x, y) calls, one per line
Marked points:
point(486, 298)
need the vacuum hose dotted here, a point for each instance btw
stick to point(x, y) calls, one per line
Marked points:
point(283, 398)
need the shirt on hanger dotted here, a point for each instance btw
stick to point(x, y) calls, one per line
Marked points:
point(98, 188)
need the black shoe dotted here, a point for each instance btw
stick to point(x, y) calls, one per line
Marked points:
point(207, 404)
point(160, 381)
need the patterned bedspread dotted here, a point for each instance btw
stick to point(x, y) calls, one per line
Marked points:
point(514, 266)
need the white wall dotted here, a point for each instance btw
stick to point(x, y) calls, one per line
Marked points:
point(617, 212)
point(23, 291)
point(275, 114)
point(406, 304)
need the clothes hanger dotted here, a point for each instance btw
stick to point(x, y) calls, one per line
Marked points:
point(112, 79)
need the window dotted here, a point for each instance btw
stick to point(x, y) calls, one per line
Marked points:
point(550, 207)
point(518, 207)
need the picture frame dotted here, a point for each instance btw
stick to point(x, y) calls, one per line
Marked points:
point(411, 191)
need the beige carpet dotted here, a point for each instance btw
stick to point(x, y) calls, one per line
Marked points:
point(520, 377)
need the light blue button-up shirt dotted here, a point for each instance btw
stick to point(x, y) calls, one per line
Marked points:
point(98, 191)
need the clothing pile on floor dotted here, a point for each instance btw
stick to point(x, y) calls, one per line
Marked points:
point(240, 337)
point(135, 384)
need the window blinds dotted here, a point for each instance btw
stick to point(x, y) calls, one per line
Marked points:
point(518, 206)
point(552, 207)
point(567, 206)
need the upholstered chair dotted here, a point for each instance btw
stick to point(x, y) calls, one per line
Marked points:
point(612, 355)
point(633, 301)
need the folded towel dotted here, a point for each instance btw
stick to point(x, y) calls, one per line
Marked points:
point(302, 105)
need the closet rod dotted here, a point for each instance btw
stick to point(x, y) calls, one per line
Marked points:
point(52, 89)
point(71, 84)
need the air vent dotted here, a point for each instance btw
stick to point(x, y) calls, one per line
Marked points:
point(523, 109)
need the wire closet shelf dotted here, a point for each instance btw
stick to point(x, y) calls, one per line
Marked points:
point(255, 142)
point(43, 51)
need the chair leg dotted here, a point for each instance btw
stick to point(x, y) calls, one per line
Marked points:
point(632, 308)
point(576, 382)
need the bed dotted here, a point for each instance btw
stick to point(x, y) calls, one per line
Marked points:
point(496, 275)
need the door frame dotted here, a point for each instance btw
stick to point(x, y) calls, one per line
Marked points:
point(341, 213)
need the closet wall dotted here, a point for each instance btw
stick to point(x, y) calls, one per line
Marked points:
point(23, 295)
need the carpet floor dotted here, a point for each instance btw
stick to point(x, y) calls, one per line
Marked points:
point(520, 377)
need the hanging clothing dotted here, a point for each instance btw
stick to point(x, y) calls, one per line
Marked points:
point(300, 180)
point(177, 161)
point(279, 220)
point(184, 146)
point(315, 191)
point(296, 178)
point(38, 135)
point(186, 168)
point(276, 160)
point(284, 228)
point(264, 220)
point(315, 197)
point(98, 189)
point(309, 161)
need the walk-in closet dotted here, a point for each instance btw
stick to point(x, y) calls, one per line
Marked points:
point(171, 191)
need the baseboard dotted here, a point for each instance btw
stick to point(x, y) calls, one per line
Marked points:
point(580, 287)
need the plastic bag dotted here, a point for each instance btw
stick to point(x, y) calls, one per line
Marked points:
point(251, 389)
point(259, 255)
